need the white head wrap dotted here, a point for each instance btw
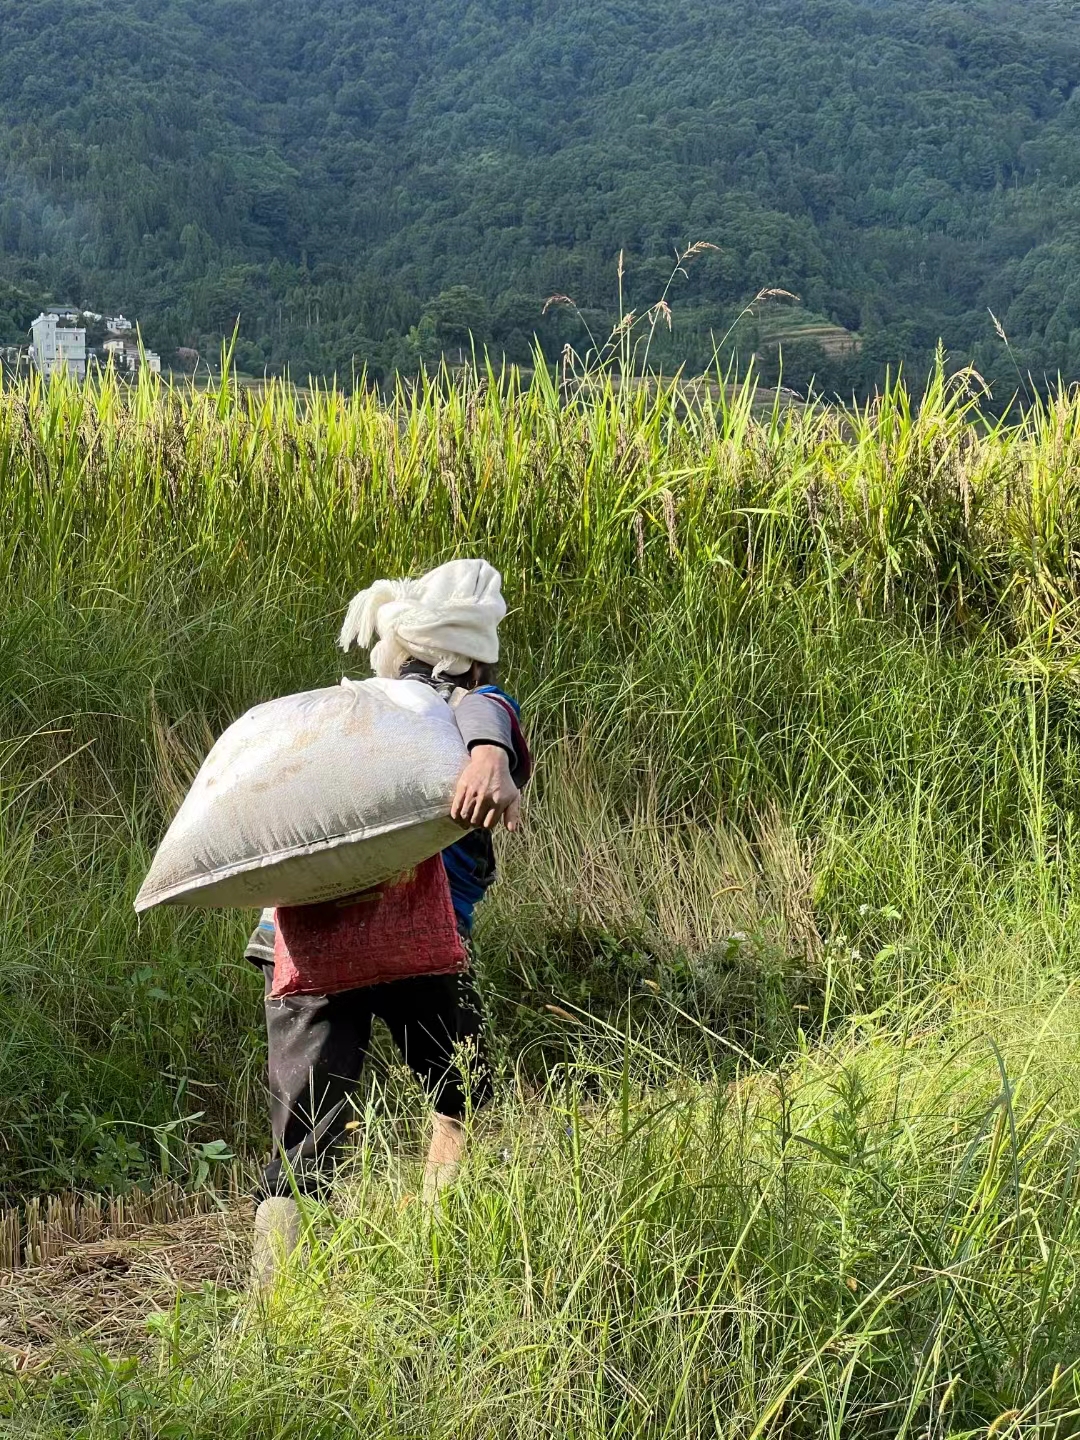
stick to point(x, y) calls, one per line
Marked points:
point(447, 618)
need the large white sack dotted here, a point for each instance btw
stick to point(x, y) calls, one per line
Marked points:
point(313, 797)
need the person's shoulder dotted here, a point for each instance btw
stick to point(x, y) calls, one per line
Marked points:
point(498, 693)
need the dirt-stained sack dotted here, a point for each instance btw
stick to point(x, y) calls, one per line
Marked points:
point(313, 797)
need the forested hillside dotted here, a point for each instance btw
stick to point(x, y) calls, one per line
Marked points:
point(366, 185)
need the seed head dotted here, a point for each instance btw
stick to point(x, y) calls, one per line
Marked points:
point(698, 248)
point(660, 311)
point(554, 300)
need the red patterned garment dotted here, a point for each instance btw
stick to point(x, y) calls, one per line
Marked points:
point(395, 931)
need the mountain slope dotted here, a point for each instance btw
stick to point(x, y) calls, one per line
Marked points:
point(327, 170)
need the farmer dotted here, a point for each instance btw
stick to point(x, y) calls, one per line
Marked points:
point(441, 631)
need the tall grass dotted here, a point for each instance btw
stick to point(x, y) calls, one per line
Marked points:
point(877, 1238)
point(802, 686)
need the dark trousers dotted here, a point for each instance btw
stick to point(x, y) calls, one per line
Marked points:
point(317, 1046)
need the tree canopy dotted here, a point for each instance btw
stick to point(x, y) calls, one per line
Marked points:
point(367, 186)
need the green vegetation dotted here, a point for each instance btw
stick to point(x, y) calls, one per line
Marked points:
point(367, 185)
point(795, 1152)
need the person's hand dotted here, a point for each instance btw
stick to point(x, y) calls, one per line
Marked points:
point(485, 792)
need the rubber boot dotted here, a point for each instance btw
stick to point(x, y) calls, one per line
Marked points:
point(277, 1231)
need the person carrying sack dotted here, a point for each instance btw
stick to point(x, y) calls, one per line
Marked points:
point(399, 954)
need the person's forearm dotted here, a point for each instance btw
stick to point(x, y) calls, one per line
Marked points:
point(484, 719)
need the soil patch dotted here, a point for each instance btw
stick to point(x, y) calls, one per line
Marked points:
point(102, 1292)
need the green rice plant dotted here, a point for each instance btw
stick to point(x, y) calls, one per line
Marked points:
point(849, 621)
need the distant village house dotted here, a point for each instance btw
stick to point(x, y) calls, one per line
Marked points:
point(62, 346)
point(59, 343)
point(125, 355)
point(58, 347)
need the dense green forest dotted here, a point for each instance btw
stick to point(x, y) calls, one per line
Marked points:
point(366, 185)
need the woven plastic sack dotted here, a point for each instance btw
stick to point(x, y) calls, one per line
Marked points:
point(394, 932)
point(312, 797)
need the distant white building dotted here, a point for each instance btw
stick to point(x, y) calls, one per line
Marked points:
point(58, 347)
point(118, 325)
point(125, 355)
point(92, 316)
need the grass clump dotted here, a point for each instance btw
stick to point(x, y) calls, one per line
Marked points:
point(876, 1238)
